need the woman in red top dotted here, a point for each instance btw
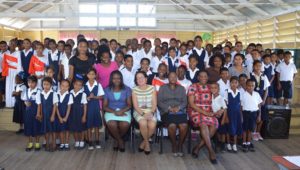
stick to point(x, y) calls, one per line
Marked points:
point(201, 115)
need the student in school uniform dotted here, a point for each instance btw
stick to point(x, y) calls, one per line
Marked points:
point(77, 118)
point(19, 94)
point(134, 52)
point(261, 87)
point(242, 84)
point(26, 56)
point(233, 99)
point(161, 78)
point(145, 66)
point(224, 83)
point(183, 56)
point(172, 61)
point(3, 50)
point(193, 71)
point(94, 92)
point(286, 72)
point(157, 59)
point(47, 105)
point(113, 44)
point(50, 73)
point(61, 47)
point(11, 66)
point(181, 80)
point(200, 53)
point(119, 59)
point(270, 73)
point(65, 100)
point(227, 58)
point(32, 120)
point(220, 110)
point(250, 102)
point(54, 58)
point(128, 71)
point(38, 64)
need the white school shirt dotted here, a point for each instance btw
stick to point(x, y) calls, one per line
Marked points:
point(250, 102)
point(173, 60)
point(142, 54)
point(1, 58)
point(185, 83)
point(100, 89)
point(218, 103)
point(264, 78)
point(54, 55)
point(30, 92)
point(270, 65)
point(155, 61)
point(227, 65)
point(136, 58)
point(65, 62)
point(242, 91)
point(83, 98)
point(233, 94)
point(199, 52)
point(27, 52)
point(46, 95)
point(193, 73)
point(184, 60)
point(62, 97)
point(286, 71)
point(21, 88)
point(113, 55)
point(128, 77)
point(223, 86)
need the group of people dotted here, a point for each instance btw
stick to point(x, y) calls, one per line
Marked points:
point(59, 88)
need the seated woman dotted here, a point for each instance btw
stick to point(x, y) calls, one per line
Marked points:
point(201, 115)
point(117, 104)
point(172, 103)
point(144, 103)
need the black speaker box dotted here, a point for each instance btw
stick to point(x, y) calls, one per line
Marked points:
point(278, 124)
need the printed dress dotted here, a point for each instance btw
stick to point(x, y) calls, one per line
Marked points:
point(203, 100)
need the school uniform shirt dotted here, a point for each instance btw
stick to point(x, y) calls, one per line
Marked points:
point(227, 65)
point(232, 93)
point(286, 71)
point(21, 88)
point(261, 77)
point(250, 102)
point(128, 77)
point(192, 75)
point(113, 55)
point(184, 60)
point(199, 52)
point(62, 97)
point(218, 103)
point(100, 89)
point(242, 91)
point(266, 66)
point(172, 63)
point(29, 93)
point(65, 63)
point(83, 98)
point(46, 95)
point(185, 83)
point(136, 58)
point(142, 54)
point(54, 55)
point(155, 61)
point(223, 86)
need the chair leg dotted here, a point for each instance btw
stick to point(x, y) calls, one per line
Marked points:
point(132, 136)
point(156, 135)
point(161, 140)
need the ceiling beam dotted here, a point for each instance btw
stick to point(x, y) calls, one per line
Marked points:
point(158, 16)
point(17, 6)
point(251, 6)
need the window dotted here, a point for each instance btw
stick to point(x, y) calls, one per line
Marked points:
point(146, 22)
point(108, 9)
point(127, 21)
point(108, 21)
point(87, 8)
point(88, 21)
point(147, 9)
point(127, 9)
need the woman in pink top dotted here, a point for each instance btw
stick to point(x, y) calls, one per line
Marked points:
point(104, 66)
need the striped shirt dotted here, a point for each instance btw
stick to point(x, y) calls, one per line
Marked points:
point(144, 97)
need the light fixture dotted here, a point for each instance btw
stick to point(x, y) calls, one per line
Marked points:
point(47, 19)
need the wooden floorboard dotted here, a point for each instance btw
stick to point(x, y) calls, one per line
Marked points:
point(13, 156)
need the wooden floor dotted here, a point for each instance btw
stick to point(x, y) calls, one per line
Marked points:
point(13, 156)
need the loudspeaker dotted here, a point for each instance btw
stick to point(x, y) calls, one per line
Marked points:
point(277, 125)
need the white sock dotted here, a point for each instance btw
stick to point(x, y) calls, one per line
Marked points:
point(248, 143)
point(81, 144)
point(76, 144)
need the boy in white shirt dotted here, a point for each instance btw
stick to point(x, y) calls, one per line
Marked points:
point(224, 83)
point(251, 104)
point(128, 71)
point(286, 72)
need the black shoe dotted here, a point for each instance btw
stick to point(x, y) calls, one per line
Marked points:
point(245, 148)
point(195, 155)
point(147, 152)
point(140, 150)
point(28, 149)
point(223, 147)
point(122, 149)
point(61, 147)
point(115, 148)
point(251, 147)
point(20, 131)
point(213, 161)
